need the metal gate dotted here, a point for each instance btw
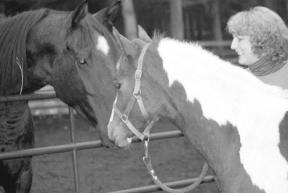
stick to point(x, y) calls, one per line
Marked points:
point(75, 146)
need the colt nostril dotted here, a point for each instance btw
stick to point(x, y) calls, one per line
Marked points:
point(110, 131)
point(129, 140)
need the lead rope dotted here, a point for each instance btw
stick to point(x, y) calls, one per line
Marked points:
point(148, 164)
point(20, 65)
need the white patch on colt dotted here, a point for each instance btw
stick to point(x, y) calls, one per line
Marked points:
point(111, 119)
point(102, 45)
point(230, 94)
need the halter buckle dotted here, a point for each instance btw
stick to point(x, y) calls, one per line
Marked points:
point(124, 117)
point(137, 95)
point(146, 159)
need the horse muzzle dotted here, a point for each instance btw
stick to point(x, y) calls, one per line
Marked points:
point(118, 134)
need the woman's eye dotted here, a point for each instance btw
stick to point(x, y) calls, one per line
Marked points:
point(82, 61)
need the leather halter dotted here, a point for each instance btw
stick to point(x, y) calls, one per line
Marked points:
point(137, 97)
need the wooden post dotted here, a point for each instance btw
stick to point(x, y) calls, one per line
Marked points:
point(270, 4)
point(176, 13)
point(130, 23)
point(2, 8)
point(217, 32)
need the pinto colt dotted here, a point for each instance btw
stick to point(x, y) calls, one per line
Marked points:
point(237, 122)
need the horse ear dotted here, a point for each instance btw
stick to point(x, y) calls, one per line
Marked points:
point(125, 44)
point(79, 13)
point(108, 15)
point(142, 34)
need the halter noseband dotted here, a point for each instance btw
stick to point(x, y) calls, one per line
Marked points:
point(137, 97)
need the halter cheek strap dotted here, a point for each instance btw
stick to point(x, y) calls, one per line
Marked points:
point(137, 97)
point(137, 88)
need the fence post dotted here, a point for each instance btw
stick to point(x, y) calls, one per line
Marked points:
point(74, 151)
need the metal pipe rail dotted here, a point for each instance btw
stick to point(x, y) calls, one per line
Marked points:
point(174, 184)
point(78, 146)
point(30, 97)
point(74, 147)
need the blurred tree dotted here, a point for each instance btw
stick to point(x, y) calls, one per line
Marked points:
point(215, 12)
point(270, 4)
point(286, 10)
point(129, 17)
point(12, 7)
point(153, 15)
point(64, 5)
point(2, 8)
point(176, 19)
point(200, 19)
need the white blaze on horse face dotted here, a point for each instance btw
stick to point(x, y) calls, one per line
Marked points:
point(230, 94)
point(110, 129)
point(116, 130)
point(102, 45)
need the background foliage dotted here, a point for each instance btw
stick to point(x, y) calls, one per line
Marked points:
point(154, 15)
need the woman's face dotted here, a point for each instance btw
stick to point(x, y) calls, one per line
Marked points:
point(243, 47)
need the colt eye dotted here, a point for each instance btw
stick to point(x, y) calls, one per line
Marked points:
point(117, 85)
point(82, 61)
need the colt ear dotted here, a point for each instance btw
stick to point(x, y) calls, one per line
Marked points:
point(125, 44)
point(142, 34)
point(108, 15)
point(79, 13)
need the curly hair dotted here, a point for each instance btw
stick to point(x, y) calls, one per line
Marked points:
point(267, 31)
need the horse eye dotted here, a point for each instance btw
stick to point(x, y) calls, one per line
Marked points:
point(82, 61)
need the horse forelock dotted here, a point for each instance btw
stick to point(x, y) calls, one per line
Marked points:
point(229, 94)
point(92, 35)
point(13, 36)
point(104, 43)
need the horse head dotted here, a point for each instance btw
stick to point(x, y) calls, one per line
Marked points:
point(77, 55)
point(142, 90)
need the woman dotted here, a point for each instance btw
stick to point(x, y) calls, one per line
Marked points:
point(260, 38)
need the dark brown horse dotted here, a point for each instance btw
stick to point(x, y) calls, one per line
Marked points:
point(72, 51)
point(237, 123)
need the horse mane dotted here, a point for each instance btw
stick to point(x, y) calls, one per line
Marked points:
point(13, 37)
point(157, 36)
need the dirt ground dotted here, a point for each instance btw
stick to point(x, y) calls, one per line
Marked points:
point(104, 170)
